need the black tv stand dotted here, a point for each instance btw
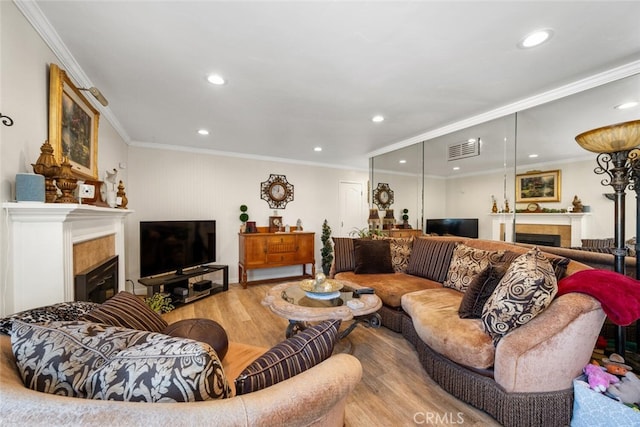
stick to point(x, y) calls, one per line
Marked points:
point(181, 289)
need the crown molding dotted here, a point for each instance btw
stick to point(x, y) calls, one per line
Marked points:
point(186, 149)
point(590, 82)
point(49, 35)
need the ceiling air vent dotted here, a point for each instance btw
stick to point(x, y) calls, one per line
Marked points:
point(461, 150)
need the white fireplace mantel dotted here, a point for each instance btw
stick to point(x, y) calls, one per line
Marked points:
point(41, 237)
point(575, 220)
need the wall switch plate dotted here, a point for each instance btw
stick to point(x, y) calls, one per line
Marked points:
point(87, 191)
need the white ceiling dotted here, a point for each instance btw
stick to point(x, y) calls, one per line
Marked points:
point(307, 74)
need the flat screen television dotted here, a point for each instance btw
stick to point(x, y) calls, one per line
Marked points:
point(167, 246)
point(463, 227)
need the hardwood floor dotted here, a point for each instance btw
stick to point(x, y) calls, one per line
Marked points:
point(394, 391)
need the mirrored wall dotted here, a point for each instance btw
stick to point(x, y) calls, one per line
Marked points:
point(462, 174)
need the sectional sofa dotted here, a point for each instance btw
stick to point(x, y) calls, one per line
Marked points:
point(135, 359)
point(521, 373)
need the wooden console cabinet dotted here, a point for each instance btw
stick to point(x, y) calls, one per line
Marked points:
point(269, 250)
point(402, 232)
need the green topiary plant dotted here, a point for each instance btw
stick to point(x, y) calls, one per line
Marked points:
point(244, 216)
point(160, 303)
point(327, 248)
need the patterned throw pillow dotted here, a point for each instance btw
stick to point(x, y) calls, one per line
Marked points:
point(400, 251)
point(467, 263)
point(344, 259)
point(57, 357)
point(289, 358)
point(160, 369)
point(526, 289)
point(71, 310)
point(372, 256)
point(84, 359)
point(479, 291)
point(558, 263)
point(430, 258)
point(126, 310)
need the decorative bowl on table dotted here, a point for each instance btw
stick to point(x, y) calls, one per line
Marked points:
point(326, 289)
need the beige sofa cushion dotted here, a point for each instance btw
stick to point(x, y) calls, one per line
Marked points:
point(434, 313)
point(389, 287)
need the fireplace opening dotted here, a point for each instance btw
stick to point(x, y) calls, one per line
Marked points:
point(99, 282)
point(538, 239)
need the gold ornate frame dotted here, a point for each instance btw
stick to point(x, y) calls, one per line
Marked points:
point(538, 186)
point(73, 125)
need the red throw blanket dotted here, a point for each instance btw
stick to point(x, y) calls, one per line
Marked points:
point(618, 294)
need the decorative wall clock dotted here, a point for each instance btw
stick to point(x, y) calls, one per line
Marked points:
point(276, 191)
point(383, 196)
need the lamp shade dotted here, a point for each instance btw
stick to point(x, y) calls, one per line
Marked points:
point(612, 138)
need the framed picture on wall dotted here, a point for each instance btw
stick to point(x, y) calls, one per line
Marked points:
point(538, 186)
point(73, 125)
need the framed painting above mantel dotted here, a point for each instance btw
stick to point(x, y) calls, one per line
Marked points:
point(73, 125)
point(538, 186)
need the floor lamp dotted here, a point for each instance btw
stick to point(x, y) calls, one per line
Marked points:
point(619, 160)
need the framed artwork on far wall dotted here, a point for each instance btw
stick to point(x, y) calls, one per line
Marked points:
point(538, 186)
point(73, 125)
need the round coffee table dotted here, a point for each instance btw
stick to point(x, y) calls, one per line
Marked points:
point(288, 300)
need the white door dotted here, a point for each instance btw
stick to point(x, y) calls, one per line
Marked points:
point(351, 208)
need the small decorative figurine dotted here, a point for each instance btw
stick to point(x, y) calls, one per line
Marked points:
point(494, 208)
point(577, 205)
point(66, 182)
point(122, 196)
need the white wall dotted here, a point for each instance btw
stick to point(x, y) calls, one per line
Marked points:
point(24, 95)
point(178, 185)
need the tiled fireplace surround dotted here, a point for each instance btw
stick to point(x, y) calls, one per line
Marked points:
point(50, 243)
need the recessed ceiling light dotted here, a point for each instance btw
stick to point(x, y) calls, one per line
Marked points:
point(456, 168)
point(533, 156)
point(377, 119)
point(626, 105)
point(535, 38)
point(402, 162)
point(215, 79)
point(471, 140)
point(317, 149)
point(203, 132)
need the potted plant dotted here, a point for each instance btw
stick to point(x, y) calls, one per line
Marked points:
point(327, 248)
point(244, 217)
point(405, 218)
point(159, 302)
point(365, 232)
